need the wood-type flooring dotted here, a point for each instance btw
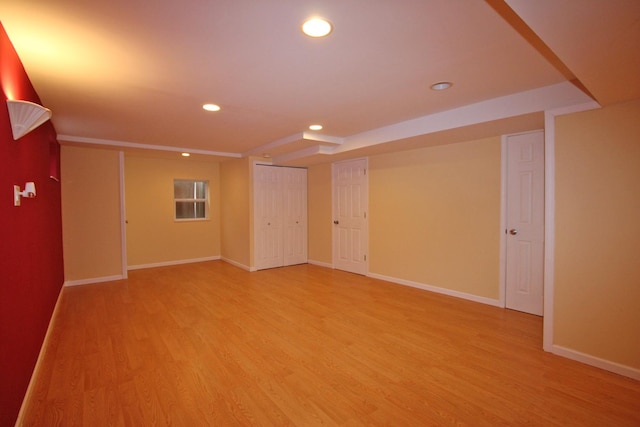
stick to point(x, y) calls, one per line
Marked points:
point(209, 344)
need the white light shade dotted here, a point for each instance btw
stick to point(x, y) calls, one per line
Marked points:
point(211, 107)
point(316, 27)
point(315, 127)
point(25, 116)
point(29, 190)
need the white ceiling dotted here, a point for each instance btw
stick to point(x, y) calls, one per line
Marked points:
point(134, 74)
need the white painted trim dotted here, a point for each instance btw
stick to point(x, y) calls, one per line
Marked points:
point(92, 280)
point(367, 216)
point(239, 265)
point(123, 218)
point(175, 262)
point(320, 263)
point(549, 229)
point(438, 290)
point(502, 299)
point(549, 214)
point(126, 144)
point(588, 359)
point(39, 360)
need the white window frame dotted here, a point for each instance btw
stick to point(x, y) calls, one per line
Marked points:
point(192, 200)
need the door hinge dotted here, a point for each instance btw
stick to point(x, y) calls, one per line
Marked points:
point(365, 215)
point(365, 257)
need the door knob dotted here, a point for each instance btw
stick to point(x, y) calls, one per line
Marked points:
point(513, 231)
point(336, 222)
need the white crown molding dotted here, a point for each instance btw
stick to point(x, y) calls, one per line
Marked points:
point(126, 144)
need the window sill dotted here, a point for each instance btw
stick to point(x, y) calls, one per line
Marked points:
point(191, 219)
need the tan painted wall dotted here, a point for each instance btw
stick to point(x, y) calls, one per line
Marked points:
point(153, 236)
point(90, 213)
point(435, 216)
point(319, 213)
point(235, 212)
point(597, 253)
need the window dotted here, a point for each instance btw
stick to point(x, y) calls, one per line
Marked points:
point(191, 199)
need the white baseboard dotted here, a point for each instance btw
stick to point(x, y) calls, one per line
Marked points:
point(93, 280)
point(36, 369)
point(320, 263)
point(176, 262)
point(588, 359)
point(237, 264)
point(438, 290)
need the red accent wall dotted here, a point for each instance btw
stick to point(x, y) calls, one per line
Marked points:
point(31, 264)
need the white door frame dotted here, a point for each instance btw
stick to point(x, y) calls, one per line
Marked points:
point(123, 218)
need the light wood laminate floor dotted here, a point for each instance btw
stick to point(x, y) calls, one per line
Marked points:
point(209, 344)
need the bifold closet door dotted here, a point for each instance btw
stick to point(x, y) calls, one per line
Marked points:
point(268, 218)
point(280, 216)
point(294, 186)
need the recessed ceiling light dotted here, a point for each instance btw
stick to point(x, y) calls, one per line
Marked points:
point(315, 127)
point(211, 107)
point(186, 154)
point(441, 85)
point(316, 27)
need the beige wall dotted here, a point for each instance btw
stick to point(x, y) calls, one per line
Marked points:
point(319, 213)
point(434, 219)
point(91, 213)
point(435, 216)
point(153, 235)
point(235, 212)
point(597, 253)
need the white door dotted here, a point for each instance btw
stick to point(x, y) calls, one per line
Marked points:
point(268, 218)
point(295, 215)
point(350, 199)
point(525, 222)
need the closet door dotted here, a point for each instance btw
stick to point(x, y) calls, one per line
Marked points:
point(294, 192)
point(268, 218)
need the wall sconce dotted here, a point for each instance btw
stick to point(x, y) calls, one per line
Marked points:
point(25, 116)
point(29, 191)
